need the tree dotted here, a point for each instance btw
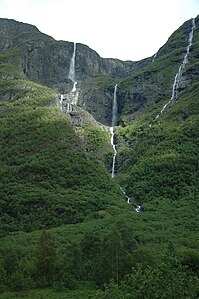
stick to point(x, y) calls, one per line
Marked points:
point(45, 259)
point(104, 257)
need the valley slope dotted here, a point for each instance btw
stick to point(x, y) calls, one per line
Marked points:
point(64, 220)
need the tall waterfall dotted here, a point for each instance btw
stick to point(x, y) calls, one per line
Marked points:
point(181, 69)
point(71, 74)
point(71, 98)
point(130, 201)
point(114, 152)
point(114, 123)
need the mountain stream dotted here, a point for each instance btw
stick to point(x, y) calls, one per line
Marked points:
point(181, 69)
point(111, 129)
point(68, 100)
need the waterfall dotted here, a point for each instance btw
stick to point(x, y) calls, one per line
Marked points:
point(114, 152)
point(114, 123)
point(114, 107)
point(71, 74)
point(131, 202)
point(177, 79)
point(68, 108)
point(71, 98)
point(61, 101)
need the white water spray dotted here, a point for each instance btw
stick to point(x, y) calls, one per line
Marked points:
point(181, 69)
point(68, 108)
point(71, 74)
point(114, 123)
point(71, 98)
point(131, 202)
point(114, 152)
point(61, 101)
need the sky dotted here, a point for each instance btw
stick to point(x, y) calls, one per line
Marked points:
point(123, 29)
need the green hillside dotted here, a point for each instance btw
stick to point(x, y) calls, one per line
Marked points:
point(66, 230)
point(47, 178)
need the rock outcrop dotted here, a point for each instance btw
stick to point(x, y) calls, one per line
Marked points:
point(143, 83)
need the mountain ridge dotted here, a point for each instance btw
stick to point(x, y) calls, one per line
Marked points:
point(55, 57)
point(67, 228)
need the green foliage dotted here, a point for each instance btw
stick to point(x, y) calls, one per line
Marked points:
point(100, 258)
point(96, 141)
point(45, 259)
point(47, 178)
point(162, 160)
point(52, 178)
point(161, 282)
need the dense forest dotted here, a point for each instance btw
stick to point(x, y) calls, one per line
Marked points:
point(67, 229)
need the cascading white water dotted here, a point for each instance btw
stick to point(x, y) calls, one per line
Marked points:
point(74, 87)
point(115, 152)
point(114, 123)
point(68, 107)
point(71, 99)
point(179, 74)
point(71, 74)
point(61, 101)
point(131, 202)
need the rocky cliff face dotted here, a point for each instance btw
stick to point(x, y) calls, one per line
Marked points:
point(151, 86)
point(140, 84)
point(37, 47)
point(47, 61)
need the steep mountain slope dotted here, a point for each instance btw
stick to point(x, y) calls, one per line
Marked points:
point(47, 179)
point(49, 173)
point(148, 89)
point(46, 61)
point(55, 56)
point(148, 149)
point(63, 219)
point(161, 152)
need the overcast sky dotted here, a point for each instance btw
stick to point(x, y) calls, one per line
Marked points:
point(124, 29)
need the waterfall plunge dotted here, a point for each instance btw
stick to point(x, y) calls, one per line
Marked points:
point(179, 74)
point(115, 152)
point(71, 74)
point(61, 102)
point(114, 123)
point(71, 99)
point(131, 202)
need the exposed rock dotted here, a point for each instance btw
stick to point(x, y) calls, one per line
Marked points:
point(140, 84)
